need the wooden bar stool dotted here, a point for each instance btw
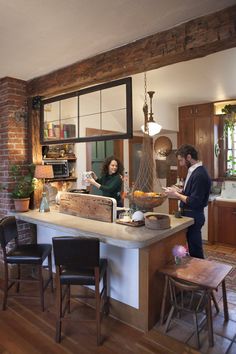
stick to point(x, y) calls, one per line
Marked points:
point(187, 298)
point(19, 254)
point(78, 262)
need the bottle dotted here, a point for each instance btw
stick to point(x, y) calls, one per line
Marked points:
point(126, 183)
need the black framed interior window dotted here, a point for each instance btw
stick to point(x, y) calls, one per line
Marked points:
point(101, 112)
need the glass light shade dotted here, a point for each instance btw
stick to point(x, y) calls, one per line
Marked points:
point(43, 171)
point(153, 128)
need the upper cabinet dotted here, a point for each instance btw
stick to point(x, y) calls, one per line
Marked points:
point(199, 126)
point(101, 112)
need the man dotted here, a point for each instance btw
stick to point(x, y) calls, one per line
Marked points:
point(194, 196)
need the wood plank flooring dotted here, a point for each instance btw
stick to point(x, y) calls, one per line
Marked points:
point(24, 329)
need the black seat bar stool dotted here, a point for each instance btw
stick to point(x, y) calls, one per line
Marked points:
point(78, 262)
point(21, 254)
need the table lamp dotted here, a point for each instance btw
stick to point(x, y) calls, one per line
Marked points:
point(43, 172)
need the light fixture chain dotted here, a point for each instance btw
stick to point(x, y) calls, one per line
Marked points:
point(145, 88)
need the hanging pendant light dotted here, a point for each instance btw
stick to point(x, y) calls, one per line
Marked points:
point(150, 126)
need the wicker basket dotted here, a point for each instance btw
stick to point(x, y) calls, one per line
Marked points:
point(148, 203)
point(157, 221)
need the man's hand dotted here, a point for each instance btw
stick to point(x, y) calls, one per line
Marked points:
point(172, 192)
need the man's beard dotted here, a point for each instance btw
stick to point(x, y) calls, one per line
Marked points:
point(188, 164)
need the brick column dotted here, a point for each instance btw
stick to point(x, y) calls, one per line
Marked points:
point(14, 146)
point(13, 133)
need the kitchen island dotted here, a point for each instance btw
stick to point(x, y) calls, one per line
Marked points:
point(134, 256)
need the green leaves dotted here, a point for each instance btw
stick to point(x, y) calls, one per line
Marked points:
point(24, 181)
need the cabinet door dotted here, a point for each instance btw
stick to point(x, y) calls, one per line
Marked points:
point(186, 131)
point(197, 127)
point(204, 131)
point(186, 134)
point(226, 225)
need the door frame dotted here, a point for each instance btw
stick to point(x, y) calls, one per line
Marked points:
point(118, 147)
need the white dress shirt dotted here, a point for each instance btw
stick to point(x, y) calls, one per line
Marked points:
point(190, 171)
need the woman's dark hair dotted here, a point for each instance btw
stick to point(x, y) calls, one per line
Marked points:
point(185, 150)
point(105, 166)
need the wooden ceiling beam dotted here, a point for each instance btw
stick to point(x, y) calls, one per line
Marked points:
point(194, 39)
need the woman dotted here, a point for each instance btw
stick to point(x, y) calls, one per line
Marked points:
point(110, 182)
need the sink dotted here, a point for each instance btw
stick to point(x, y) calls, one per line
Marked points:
point(224, 199)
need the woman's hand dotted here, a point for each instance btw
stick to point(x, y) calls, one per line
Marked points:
point(90, 180)
point(93, 175)
point(93, 182)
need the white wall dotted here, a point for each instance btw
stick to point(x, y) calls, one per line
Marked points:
point(165, 113)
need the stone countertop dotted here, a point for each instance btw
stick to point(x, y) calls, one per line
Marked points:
point(110, 233)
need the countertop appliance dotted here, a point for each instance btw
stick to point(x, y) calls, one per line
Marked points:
point(60, 167)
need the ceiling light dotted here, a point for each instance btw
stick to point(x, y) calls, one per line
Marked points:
point(150, 126)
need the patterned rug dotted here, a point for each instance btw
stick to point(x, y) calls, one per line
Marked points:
point(228, 259)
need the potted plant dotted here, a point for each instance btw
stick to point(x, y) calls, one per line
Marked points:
point(22, 186)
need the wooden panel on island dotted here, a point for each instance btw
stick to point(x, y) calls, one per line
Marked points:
point(88, 206)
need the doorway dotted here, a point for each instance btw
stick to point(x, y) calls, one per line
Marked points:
point(98, 151)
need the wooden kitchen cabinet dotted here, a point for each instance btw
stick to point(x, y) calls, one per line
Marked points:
point(198, 126)
point(225, 222)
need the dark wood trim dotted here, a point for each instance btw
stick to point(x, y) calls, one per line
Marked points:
point(223, 148)
point(194, 39)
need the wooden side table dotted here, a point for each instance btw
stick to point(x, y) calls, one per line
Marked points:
point(207, 274)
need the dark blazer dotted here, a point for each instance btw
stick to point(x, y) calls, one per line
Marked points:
point(197, 190)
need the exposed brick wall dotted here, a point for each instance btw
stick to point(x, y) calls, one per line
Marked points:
point(14, 147)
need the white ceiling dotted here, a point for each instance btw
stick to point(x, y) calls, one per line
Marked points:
point(40, 36)
point(208, 79)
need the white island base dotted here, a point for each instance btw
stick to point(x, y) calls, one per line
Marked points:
point(134, 256)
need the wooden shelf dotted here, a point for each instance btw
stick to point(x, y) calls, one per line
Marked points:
point(65, 179)
point(60, 158)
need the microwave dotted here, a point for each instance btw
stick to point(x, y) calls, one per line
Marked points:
point(60, 167)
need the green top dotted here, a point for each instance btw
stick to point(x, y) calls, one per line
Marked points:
point(111, 186)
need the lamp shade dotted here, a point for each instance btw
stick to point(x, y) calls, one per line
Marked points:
point(152, 129)
point(43, 171)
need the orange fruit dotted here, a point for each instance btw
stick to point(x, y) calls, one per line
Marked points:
point(150, 194)
point(138, 193)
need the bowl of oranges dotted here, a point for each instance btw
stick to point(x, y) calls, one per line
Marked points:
point(147, 200)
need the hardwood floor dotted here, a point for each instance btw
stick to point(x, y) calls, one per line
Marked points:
point(24, 329)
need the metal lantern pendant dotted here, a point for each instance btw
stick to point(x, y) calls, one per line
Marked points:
point(142, 194)
point(150, 127)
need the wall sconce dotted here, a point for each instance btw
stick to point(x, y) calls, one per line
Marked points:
point(20, 115)
point(43, 172)
point(36, 102)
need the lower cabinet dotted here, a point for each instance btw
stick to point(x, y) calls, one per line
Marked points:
point(225, 222)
